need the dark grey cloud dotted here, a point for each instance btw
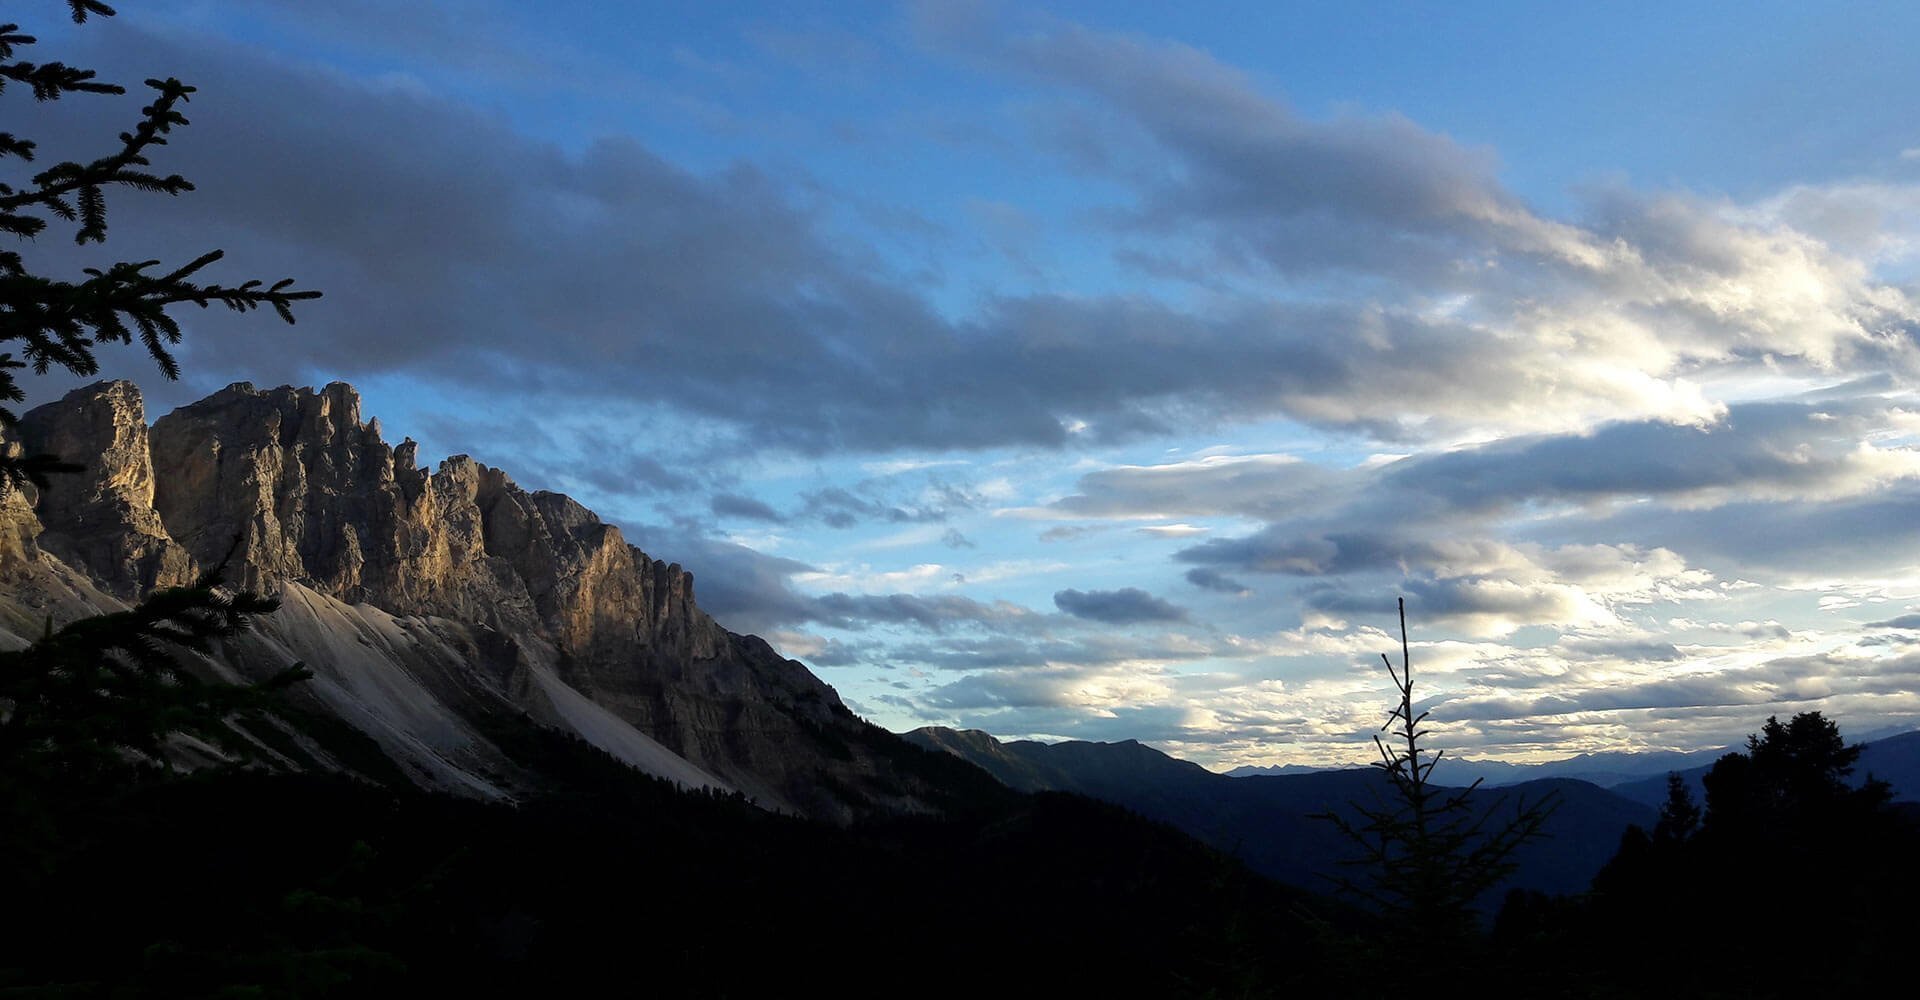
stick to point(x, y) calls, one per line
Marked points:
point(1780, 448)
point(1458, 600)
point(1779, 682)
point(933, 613)
point(1906, 621)
point(838, 507)
point(1815, 485)
point(562, 457)
point(1026, 689)
point(1278, 549)
point(1872, 534)
point(733, 505)
point(1209, 579)
point(1639, 650)
point(1125, 606)
point(1264, 486)
point(1264, 176)
point(835, 653)
point(749, 591)
point(476, 255)
point(1013, 652)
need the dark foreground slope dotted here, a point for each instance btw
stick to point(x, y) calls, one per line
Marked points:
point(1268, 820)
point(617, 884)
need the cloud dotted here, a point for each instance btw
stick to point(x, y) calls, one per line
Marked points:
point(1208, 579)
point(1050, 687)
point(1171, 530)
point(1906, 621)
point(837, 507)
point(1781, 681)
point(733, 505)
point(1621, 306)
point(1641, 649)
point(749, 591)
point(1873, 535)
point(1483, 586)
point(1788, 450)
point(998, 651)
point(1250, 485)
point(1479, 606)
point(1125, 606)
point(735, 289)
point(1828, 448)
point(934, 613)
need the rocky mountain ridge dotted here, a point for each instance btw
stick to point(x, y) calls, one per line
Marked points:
point(433, 606)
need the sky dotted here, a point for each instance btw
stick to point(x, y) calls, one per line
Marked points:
point(1108, 370)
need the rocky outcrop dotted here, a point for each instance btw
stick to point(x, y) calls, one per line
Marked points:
point(103, 518)
point(455, 587)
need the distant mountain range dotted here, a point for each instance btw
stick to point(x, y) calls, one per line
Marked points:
point(1892, 755)
point(1894, 760)
point(1603, 769)
point(1268, 820)
point(1266, 816)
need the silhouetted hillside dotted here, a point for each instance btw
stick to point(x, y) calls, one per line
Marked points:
point(318, 885)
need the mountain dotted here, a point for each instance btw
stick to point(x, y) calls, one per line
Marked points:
point(1268, 820)
point(1894, 760)
point(443, 612)
point(1275, 770)
point(1604, 769)
point(507, 672)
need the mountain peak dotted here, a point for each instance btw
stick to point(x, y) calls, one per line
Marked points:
point(431, 605)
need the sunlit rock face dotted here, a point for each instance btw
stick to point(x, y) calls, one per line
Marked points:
point(429, 605)
point(103, 518)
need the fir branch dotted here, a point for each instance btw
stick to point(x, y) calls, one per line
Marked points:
point(105, 691)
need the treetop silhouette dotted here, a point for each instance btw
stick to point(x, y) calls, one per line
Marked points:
point(1429, 851)
point(58, 323)
point(103, 693)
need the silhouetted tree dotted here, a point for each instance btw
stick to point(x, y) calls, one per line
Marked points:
point(85, 697)
point(1679, 816)
point(57, 322)
point(1792, 882)
point(1429, 851)
point(90, 699)
point(1789, 791)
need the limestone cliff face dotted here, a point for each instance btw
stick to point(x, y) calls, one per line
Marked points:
point(103, 518)
point(457, 578)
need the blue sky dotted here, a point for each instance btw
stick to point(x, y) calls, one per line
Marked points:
point(1106, 370)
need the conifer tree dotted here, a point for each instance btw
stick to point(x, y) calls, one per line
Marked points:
point(91, 697)
point(55, 322)
point(1428, 851)
point(1679, 816)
